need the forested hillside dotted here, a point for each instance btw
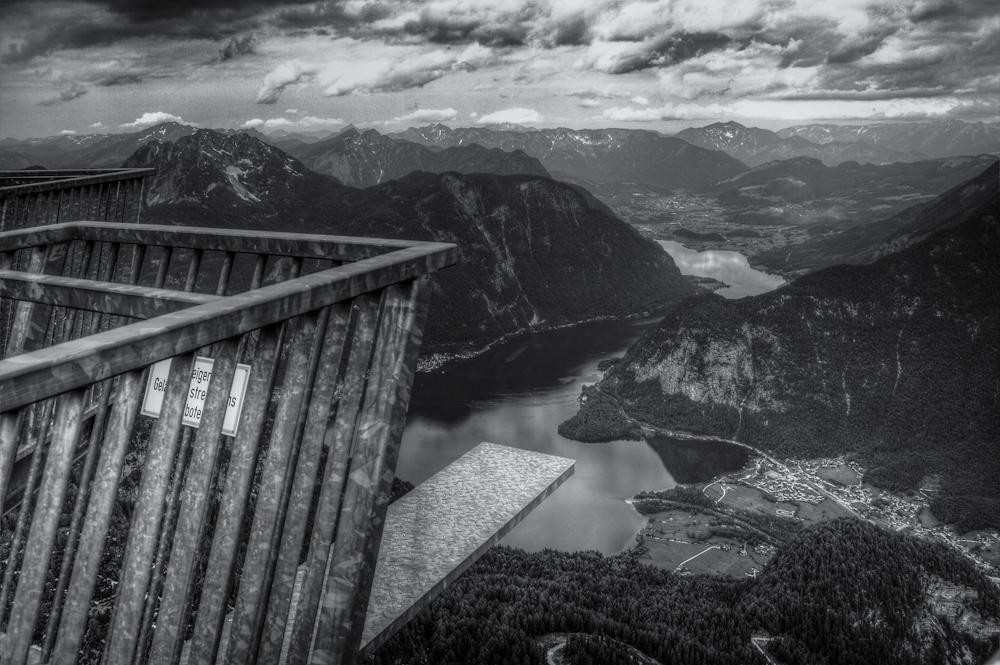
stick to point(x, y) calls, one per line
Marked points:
point(843, 592)
point(533, 252)
point(896, 361)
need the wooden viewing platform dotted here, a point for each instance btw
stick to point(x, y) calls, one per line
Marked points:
point(242, 527)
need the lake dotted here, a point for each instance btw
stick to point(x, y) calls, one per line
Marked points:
point(517, 394)
point(729, 267)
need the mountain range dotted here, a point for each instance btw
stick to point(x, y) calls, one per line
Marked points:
point(534, 252)
point(865, 242)
point(595, 156)
point(754, 146)
point(938, 138)
point(92, 151)
point(363, 159)
point(803, 190)
point(895, 361)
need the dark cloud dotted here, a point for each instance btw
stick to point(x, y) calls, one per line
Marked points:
point(574, 31)
point(669, 50)
point(86, 24)
point(238, 46)
point(949, 10)
point(123, 78)
point(74, 91)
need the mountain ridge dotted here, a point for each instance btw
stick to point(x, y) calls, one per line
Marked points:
point(755, 146)
point(894, 360)
point(595, 155)
point(534, 252)
point(363, 159)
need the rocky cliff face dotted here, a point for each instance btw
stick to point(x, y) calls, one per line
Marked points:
point(369, 158)
point(534, 252)
point(896, 360)
point(598, 155)
point(216, 170)
point(754, 146)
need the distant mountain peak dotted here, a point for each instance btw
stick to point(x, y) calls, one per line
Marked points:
point(209, 164)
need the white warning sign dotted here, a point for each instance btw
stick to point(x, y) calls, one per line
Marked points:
point(201, 374)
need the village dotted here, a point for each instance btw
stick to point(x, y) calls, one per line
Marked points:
point(809, 490)
point(687, 539)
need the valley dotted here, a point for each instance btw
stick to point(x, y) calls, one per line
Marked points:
point(738, 456)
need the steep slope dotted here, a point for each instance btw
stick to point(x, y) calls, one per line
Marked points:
point(755, 146)
point(866, 242)
point(596, 156)
point(114, 149)
point(369, 158)
point(843, 592)
point(220, 172)
point(533, 252)
point(803, 191)
point(896, 361)
point(939, 138)
point(14, 159)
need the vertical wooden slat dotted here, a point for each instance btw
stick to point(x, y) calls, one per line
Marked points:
point(338, 439)
point(59, 206)
point(373, 467)
point(35, 211)
point(141, 201)
point(193, 268)
point(40, 413)
point(42, 536)
point(86, 474)
point(163, 267)
point(103, 492)
point(79, 507)
point(233, 507)
point(146, 520)
point(10, 433)
point(169, 526)
point(113, 210)
point(48, 207)
point(23, 311)
point(304, 485)
point(172, 618)
point(251, 601)
point(227, 270)
point(135, 269)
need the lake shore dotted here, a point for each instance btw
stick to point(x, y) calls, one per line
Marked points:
point(806, 491)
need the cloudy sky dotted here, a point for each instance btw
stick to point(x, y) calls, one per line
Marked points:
point(98, 65)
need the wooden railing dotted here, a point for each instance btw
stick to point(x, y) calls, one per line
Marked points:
point(221, 529)
point(36, 198)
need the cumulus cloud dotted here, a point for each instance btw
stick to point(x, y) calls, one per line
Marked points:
point(289, 73)
point(337, 79)
point(149, 119)
point(67, 132)
point(669, 111)
point(705, 51)
point(629, 114)
point(307, 122)
point(388, 75)
point(515, 116)
point(427, 115)
point(96, 125)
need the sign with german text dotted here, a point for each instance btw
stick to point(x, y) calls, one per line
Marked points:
point(194, 407)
